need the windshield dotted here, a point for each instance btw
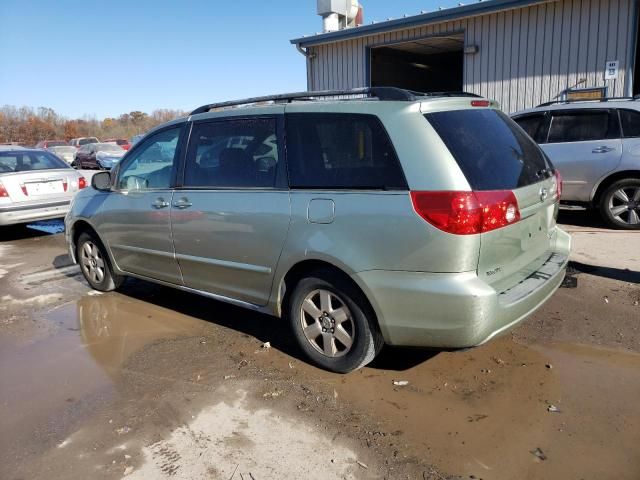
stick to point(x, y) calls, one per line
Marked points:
point(505, 159)
point(108, 147)
point(17, 161)
point(84, 141)
point(63, 149)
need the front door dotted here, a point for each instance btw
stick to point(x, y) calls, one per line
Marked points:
point(584, 145)
point(231, 216)
point(135, 217)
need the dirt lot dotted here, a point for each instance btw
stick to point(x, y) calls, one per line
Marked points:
point(152, 383)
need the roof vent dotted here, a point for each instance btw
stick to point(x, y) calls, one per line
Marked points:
point(339, 14)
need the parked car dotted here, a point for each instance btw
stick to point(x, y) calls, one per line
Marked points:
point(135, 139)
point(66, 153)
point(35, 185)
point(78, 142)
point(119, 141)
point(415, 220)
point(51, 143)
point(98, 155)
point(596, 147)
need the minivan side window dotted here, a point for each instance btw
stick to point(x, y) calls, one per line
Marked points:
point(630, 120)
point(150, 165)
point(233, 153)
point(535, 126)
point(341, 151)
point(582, 126)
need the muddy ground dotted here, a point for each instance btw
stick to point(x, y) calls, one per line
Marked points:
point(154, 383)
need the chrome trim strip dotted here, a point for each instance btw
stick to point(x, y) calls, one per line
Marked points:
point(224, 263)
point(213, 296)
point(143, 250)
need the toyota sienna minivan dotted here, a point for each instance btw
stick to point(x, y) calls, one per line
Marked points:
point(363, 217)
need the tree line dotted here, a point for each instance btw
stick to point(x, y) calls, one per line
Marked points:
point(28, 126)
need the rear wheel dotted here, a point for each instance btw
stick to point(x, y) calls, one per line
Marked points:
point(95, 264)
point(620, 204)
point(333, 323)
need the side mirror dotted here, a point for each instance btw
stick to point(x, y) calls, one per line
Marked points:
point(101, 181)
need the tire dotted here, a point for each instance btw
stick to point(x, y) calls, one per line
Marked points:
point(620, 204)
point(95, 264)
point(335, 312)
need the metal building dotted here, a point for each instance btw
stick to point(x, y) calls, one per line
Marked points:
point(519, 52)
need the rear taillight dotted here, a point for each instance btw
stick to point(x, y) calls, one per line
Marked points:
point(558, 183)
point(467, 213)
point(3, 191)
point(82, 183)
point(65, 185)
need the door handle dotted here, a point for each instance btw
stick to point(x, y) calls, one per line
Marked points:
point(182, 203)
point(603, 149)
point(160, 203)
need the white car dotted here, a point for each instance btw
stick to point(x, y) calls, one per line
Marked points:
point(35, 185)
point(65, 152)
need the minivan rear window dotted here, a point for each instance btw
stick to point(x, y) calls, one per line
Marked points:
point(492, 151)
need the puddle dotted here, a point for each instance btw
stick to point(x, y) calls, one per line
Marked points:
point(53, 380)
point(482, 412)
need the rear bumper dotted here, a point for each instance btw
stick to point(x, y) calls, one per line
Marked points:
point(455, 310)
point(13, 214)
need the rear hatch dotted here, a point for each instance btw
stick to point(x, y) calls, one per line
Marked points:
point(496, 155)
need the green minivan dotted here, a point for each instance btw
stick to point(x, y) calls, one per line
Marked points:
point(364, 217)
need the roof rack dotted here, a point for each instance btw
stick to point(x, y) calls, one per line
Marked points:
point(606, 99)
point(381, 93)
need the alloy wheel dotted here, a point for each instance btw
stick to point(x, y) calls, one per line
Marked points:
point(624, 205)
point(327, 323)
point(92, 262)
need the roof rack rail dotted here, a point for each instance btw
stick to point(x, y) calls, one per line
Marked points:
point(381, 93)
point(606, 99)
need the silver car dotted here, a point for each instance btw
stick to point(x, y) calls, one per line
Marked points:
point(395, 218)
point(596, 147)
point(65, 152)
point(35, 185)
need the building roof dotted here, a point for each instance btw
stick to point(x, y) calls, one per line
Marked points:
point(445, 15)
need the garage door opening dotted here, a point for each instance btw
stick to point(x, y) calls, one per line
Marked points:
point(428, 65)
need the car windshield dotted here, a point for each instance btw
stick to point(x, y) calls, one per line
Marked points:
point(85, 141)
point(108, 147)
point(57, 144)
point(25, 161)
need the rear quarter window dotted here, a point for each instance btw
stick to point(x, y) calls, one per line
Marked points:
point(490, 149)
point(630, 120)
point(341, 151)
point(535, 125)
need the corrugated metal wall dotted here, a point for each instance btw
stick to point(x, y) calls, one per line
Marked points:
point(526, 56)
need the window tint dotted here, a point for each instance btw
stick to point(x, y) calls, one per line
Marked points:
point(630, 123)
point(492, 152)
point(151, 164)
point(233, 153)
point(25, 162)
point(328, 150)
point(534, 125)
point(582, 126)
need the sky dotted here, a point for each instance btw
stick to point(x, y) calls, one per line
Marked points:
point(103, 58)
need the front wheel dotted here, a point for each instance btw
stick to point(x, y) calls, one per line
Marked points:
point(620, 204)
point(333, 323)
point(95, 264)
